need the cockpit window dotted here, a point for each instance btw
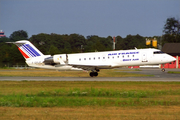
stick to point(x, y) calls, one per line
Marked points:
point(158, 52)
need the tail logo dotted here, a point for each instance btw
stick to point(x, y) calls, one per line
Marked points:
point(28, 51)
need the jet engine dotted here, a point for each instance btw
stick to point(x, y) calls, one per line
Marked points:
point(56, 59)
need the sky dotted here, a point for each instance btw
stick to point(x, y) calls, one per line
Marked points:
point(88, 17)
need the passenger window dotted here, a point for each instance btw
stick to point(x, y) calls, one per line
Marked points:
point(98, 57)
point(94, 58)
point(79, 59)
point(84, 58)
point(103, 57)
point(89, 58)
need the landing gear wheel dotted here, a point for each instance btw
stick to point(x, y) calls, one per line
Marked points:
point(92, 74)
point(163, 70)
point(95, 74)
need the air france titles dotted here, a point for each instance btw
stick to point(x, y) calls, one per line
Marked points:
point(126, 53)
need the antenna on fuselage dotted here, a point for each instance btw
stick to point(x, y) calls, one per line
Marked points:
point(135, 48)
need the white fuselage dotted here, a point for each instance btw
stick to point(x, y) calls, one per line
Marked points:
point(104, 60)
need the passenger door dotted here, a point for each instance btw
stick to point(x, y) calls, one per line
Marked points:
point(144, 57)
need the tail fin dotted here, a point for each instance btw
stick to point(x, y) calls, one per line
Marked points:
point(27, 49)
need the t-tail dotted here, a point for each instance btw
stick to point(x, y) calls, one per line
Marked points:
point(27, 49)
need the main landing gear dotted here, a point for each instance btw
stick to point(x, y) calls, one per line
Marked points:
point(92, 74)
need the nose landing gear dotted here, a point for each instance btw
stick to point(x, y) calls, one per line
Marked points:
point(163, 70)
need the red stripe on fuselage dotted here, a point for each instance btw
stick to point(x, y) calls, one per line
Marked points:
point(24, 54)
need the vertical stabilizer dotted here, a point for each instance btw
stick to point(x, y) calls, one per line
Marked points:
point(27, 49)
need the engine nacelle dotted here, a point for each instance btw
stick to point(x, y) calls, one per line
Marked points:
point(56, 59)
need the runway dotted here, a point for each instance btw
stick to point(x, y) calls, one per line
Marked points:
point(158, 76)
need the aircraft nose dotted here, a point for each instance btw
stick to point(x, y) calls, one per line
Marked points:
point(171, 59)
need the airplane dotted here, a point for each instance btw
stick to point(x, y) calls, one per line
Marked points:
point(92, 61)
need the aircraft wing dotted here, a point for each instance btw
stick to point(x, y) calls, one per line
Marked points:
point(90, 67)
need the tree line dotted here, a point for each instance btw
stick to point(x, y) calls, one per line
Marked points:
point(75, 43)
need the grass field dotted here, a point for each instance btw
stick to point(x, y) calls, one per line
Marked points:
point(89, 100)
point(53, 73)
point(174, 72)
point(39, 100)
